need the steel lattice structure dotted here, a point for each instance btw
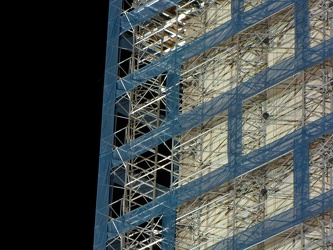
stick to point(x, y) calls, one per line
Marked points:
point(217, 126)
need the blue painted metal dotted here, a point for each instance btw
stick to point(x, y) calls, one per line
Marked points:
point(235, 135)
point(237, 10)
point(107, 129)
point(169, 226)
point(172, 92)
point(301, 177)
point(302, 38)
point(172, 106)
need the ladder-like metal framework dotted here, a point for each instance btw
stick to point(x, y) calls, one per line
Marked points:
point(217, 126)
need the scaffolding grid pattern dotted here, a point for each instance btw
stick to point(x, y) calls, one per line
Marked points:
point(217, 126)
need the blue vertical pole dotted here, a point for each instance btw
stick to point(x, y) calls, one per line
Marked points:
point(235, 107)
point(301, 154)
point(301, 177)
point(237, 8)
point(235, 110)
point(172, 109)
point(169, 225)
point(172, 93)
point(302, 31)
point(235, 139)
point(107, 126)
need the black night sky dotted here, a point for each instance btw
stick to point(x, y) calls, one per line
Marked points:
point(54, 124)
point(90, 121)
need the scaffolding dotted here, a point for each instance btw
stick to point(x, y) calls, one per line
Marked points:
point(217, 126)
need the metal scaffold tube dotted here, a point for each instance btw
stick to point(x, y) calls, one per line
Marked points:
point(217, 126)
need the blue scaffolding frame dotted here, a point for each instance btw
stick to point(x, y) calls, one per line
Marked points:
point(176, 124)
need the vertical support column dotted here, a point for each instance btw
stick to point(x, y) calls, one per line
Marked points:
point(237, 8)
point(172, 103)
point(302, 30)
point(301, 177)
point(235, 136)
point(235, 139)
point(235, 107)
point(235, 110)
point(169, 225)
point(172, 109)
point(107, 126)
point(172, 92)
point(301, 154)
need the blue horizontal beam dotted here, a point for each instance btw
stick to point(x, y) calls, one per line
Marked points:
point(163, 204)
point(199, 45)
point(200, 114)
point(277, 224)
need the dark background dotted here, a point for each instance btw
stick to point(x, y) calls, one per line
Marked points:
point(87, 90)
point(52, 103)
